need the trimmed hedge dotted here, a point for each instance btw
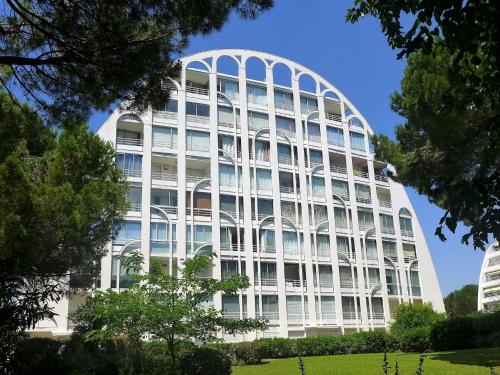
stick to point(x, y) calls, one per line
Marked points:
point(473, 331)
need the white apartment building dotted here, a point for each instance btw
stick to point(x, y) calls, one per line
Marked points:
point(268, 165)
point(488, 298)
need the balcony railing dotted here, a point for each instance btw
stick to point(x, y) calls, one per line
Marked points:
point(292, 284)
point(165, 144)
point(376, 315)
point(357, 147)
point(365, 226)
point(192, 147)
point(230, 247)
point(204, 212)
point(385, 204)
point(363, 200)
point(271, 315)
point(168, 209)
point(234, 315)
point(261, 157)
point(289, 190)
point(326, 316)
point(132, 172)
point(195, 179)
point(265, 249)
point(203, 120)
point(165, 115)
point(391, 256)
point(407, 233)
point(128, 141)
point(164, 176)
point(197, 90)
point(266, 282)
point(335, 142)
point(259, 100)
point(388, 230)
point(343, 195)
point(351, 315)
point(323, 283)
point(285, 160)
point(347, 284)
point(333, 117)
point(284, 106)
point(361, 174)
point(136, 207)
point(381, 178)
point(409, 259)
point(340, 170)
point(314, 138)
point(261, 215)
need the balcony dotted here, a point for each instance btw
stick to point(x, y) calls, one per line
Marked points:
point(230, 247)
point(195, 179)
point(132, 173)
point(328, 284)
point(197, 90)
point(385, 204)
point(163, 176)
point(381, 178)
point(266, 282)
point(363, 200)
point(351, 315)
point(376, 316)
point(333, 117)
point(387, 230)
point(289, 190)
point(271, 315)
point(202, 212)
point(170, 145)
point(195, 147)
point(406, 233)
point(339, 170)
point(234, 315)
point(347, 284)
point(360, 174)
point(197, 120)
point(292, 285)
point(164, 115)
point(129, 141)
point(269, 249)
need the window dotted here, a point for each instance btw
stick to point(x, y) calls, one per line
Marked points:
point(228, 203)
point(318, 187)
point(197, 109)
point(120, 133)
point(285, 123)
point(316, 157)
point(340, 218)
point(230, 88)
point(284, 151)
point(371, 250)
point(267, 271)
point(387, 224)
point(226, 116)
point(134, 194)
point(129, 230)
point(229, 268)
point(294, 308)
point(313, 132)
point(415, 283)
point(373, 276)
point(341, 188)
point(270, 309)
point(365, 218)
point(290, 243)
point(264, 179)
point(202, 233)
point(256, 94)
point(406, 226)
point(389, 248)
point(342, 245)
point(170, 106)
point(129, 164)
point(226, 143)
point(160, 239)
point(227, 175)
point(392, 284)
point(164, 197)
point(308, 104)
point(257, 120)
point(409, 251)
point(357, 141)
point(126, 281)
point(283, 100)
point(320, 213)
point(363, 193)
point(335, 136)
point(327, 307)
point(323, 246)
point(164, 137)
point(268, 240)
point(262, 150)
point(196, 140)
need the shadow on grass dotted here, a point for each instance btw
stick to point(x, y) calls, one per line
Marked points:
point(478, 357)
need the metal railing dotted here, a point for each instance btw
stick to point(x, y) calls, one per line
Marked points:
point(230, 125)
point(234, 315)
point(376, 315)
point(361, 174)
point(348, 284)
point(271, 315)
point(358, 147)
point(284, 106)
point(128, 141)
point(261, 157)
point(381, 178)
point(265, 249)
point(340, 170)
point(409, 259)
point(260, 100)
point(162, 144)
point(365, 226)
point(266, 282)
point(195, 179)
point(192, 147)
point(205, 212)
point(289, 190)
point(197, 119)
point(261, 215)
point(314, 138)
point(132, 172)
point(334, 142)
point(291, 284)
point(164, 176)
point(323, 283)
point(230, 246)
point(333, 117)
point(387, 230)
point(165, 115)
point(324, 253)
point(285, 160)
point(392, 257)
point(169, 209)
point(363, 200)
point(135, 207)
point(350, 315)
point(197, 90)
point(407, 233)
point(385, 204)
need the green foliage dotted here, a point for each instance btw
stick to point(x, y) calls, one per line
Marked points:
point(71, 57)
point(411, 316)
point(60, 197)
point(245, 353)
point(167, 307)
point(37, 356)
point(473, 331)
point(414, 340)
point(205, 361)
point(448, 147)
point(462, 301)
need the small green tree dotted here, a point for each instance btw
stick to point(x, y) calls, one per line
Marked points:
point(462, 301)
point(167, 307)
point(410, 316)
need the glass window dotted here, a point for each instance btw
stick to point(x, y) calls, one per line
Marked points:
point(389, 248)
point(129, 162)
point(313, 130)
point(230, 88)
point(197, 109)
point(365, 219)
point(316, 157)
point(308, 104)
point(285, 123)
point(387, 223)
point(256, 94)
point(164, 197)
point(257, 120)
point(357, 141)
point(129, 230)
point(284, 151)
point(340, 188)
point(197, 140)
point(335, 136)
point(318, 186)
point(406, 226)
point(164, 137)
point(363, 192)
point(283, 100)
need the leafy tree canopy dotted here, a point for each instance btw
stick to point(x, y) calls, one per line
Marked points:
point(448, 148)
point(410, 316)
point(60, 197)
point(72, 56)
point(172, 308)
point(462, 302)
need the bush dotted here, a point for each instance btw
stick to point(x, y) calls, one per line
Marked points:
point(277, 347)
point(473, 331)
point(243, 353)
point(37, 356)
point(205, 361)
point(415, 340)
point(410, 316)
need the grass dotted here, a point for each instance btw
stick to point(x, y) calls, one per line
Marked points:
point(460, 362)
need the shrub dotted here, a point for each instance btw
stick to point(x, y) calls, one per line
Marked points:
point(35, 356)
point(244, 353)
point(205, 361)
point(277, 347)
point(473, 331)
point(410, 316)
point(415, 340)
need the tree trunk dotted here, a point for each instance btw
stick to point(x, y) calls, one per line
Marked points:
point(173, 357)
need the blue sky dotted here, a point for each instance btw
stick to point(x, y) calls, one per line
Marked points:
point(357, 60)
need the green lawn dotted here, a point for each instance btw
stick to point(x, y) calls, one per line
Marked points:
point(461, 362)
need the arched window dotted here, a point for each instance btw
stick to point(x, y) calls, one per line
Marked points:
point(405, 223)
